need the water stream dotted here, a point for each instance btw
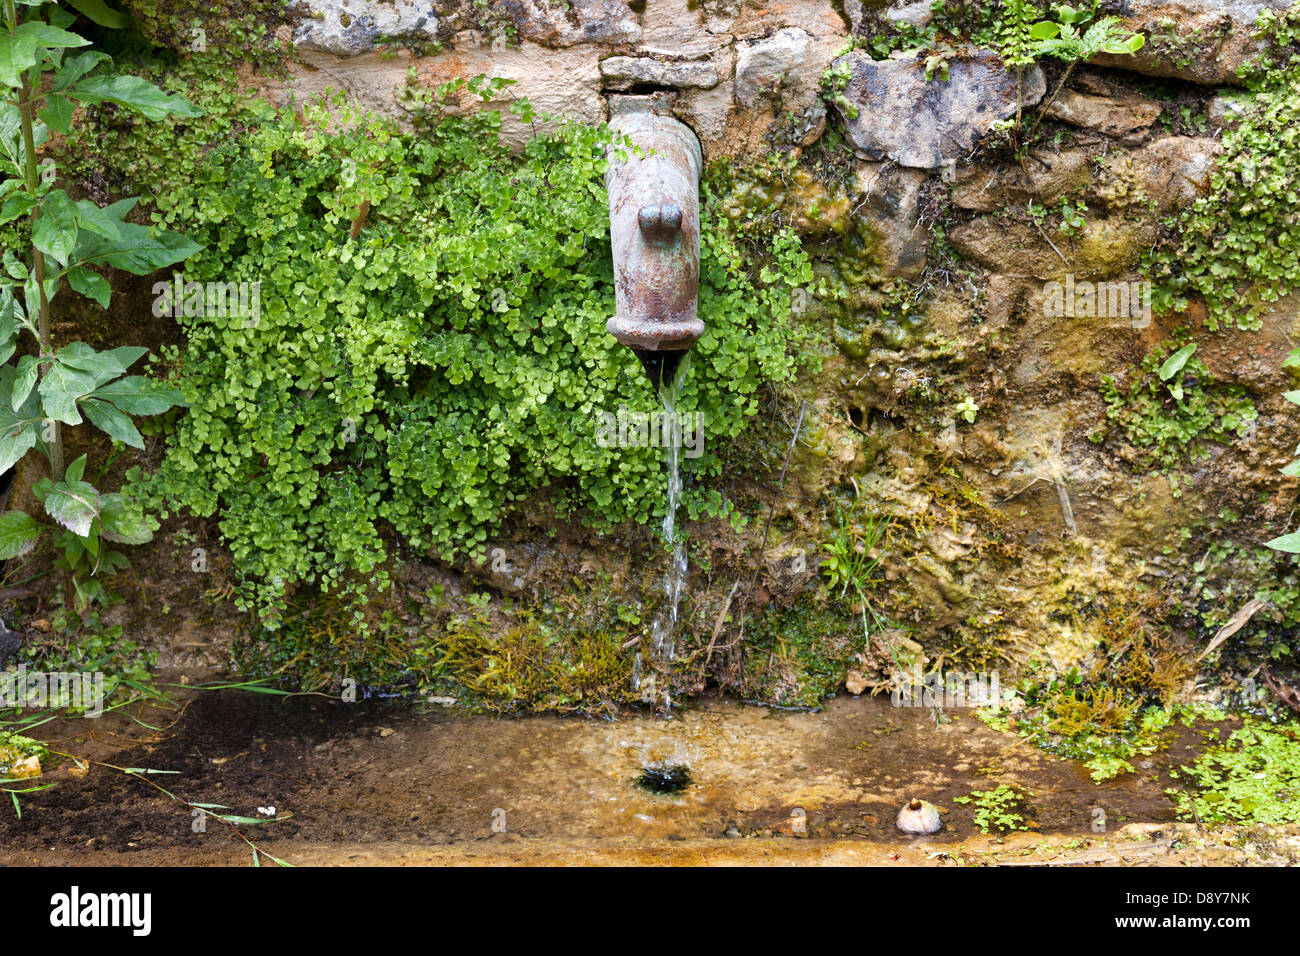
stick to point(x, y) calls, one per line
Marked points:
point(654, 685)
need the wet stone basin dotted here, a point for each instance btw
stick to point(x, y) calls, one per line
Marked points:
point(364, 774)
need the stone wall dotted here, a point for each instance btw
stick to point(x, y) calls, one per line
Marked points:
point(1018, 518)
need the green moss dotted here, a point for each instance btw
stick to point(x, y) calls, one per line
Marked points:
point(798, 656)
point(535, 664)
point(565, 656)
point(1119, 708)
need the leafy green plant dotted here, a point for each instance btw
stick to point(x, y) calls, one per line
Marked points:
point(996, 810)
point(853, 557)
point(430, 354)
point(835, 80)
point(967, 409)
point(70, 239)
point(1254, 777)
point(1173, 406)
point(1237, 247)
point(1074, 37)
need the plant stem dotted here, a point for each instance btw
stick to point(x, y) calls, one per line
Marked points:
point(1050, 100)
point(32, 177)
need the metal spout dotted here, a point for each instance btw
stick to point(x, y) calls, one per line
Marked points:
point(654, 224)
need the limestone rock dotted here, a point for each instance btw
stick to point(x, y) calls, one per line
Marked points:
point(1171, 171)
point(625, 72)
point(1204, 41)
point(351, 27)
point(763, 65)
point(1226, 109)
point(926, 124)
point(1105, 247)
point(1045, 177)
point(564, 23)
point(855, 682)
point(1127, 117)
point(917, 13)
point(890, 201)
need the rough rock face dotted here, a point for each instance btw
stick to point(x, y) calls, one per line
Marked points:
point(762, 65)
point(562, 24)
point(927, 124)
point(350, 27)
point(1012, 510)
point(624, 72)
point(1204, 41)
point(1127, 117)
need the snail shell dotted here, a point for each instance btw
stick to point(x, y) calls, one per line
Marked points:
point(919, 818)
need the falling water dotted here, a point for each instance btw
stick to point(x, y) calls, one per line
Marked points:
point(664, 632)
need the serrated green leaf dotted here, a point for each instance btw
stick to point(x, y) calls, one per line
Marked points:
point(57, 114)
point(90, 284)
point(55, 231)
point(60, 388)
point(73, 504)
point(77, 67)
point(18, 49)
point(15, 444)
point(121, 523)
point(18, 534)
point(29, 367)
point(139, 250)
point(112, 422)
point(138, 395)
point(135, 93)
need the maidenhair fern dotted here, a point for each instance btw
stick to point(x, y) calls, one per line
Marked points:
point(430, 353)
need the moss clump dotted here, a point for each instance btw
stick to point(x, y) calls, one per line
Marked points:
point(568, 657)
point(1120, 708)
point(535, 664)
point(798, 656)
point(1253, 778)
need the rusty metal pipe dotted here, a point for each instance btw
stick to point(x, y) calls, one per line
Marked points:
point(654, 225)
